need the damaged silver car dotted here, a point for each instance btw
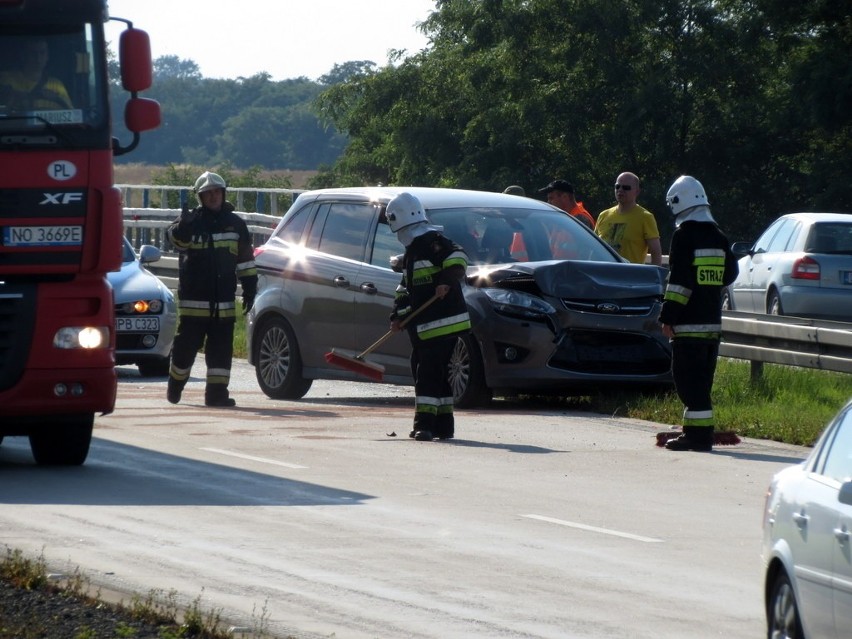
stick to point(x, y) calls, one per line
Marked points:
point(554, 309)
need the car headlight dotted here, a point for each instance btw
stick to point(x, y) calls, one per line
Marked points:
point(518, 304)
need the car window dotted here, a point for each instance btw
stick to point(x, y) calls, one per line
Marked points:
point(781, 240)
point(344, 231)
point(830, 237)
point(838, 460)
point(762, 244)
point(385, 245)
point(291, 231)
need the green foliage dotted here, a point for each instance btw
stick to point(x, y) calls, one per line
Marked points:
point(754, 98)
point(22, 572)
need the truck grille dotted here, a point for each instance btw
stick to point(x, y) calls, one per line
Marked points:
point(17, 322)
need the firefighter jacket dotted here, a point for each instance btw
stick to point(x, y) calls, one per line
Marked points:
point(430, 260)
point(215, 249)
point(700, 265)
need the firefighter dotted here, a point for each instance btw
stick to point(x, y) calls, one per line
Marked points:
point(215, 249)
point(700, 265)
point(433, 266)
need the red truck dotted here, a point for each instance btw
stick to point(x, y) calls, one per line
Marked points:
point(61, 217)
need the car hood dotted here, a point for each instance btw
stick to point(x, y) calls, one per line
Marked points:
point(133, 282)
point(575, 279)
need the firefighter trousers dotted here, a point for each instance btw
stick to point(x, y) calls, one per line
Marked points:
point(216, 336)
point(693, 369)
point(430, 366)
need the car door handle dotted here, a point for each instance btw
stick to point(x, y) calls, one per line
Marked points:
point(842, 534)
point(369, 288)
point(341, 281)
point(801, 519)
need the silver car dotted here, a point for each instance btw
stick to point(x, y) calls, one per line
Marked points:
point(800, 266)
point(807, 540)
point(145, 313)
point(587, 320)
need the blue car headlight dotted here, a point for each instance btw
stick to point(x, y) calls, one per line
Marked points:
point(518, 304)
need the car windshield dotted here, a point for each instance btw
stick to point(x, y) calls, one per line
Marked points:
point(497, 235)
point(127, 255)
point(50, 79)
point(830, 237)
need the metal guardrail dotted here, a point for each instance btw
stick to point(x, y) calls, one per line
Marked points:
point(271, 201)
point(792, 341)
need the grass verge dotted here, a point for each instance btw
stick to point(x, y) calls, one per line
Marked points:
point(786, 404)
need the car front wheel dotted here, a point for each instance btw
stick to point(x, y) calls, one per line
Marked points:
point(783, 611)
point(726, 299)
point(278, 365)
point(154, 367)
point(467, 374)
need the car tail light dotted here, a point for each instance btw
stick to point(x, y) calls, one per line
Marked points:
point(805, 268)
point(259, 249)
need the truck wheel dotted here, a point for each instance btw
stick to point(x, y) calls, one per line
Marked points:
point(155, 367)
point(63, 441)
point(467, 374)
point(278, 364)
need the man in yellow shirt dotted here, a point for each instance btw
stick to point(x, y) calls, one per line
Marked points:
point(26, 86)
point(627, 227)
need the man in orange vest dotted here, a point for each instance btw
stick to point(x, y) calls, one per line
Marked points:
point(560, 193)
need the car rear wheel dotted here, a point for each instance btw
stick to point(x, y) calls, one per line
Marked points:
point(467, 374)
point(62, 441)
point(783, 612)
point(278, 365)
point(773, 304)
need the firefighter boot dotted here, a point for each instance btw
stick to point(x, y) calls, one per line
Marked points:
point(174, 390)
point(698, 438)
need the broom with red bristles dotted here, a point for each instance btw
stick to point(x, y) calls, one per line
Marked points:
point(720, 438)
point(358, 364)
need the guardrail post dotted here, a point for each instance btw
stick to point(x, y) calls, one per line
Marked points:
point(756, 371)
point(260, 203)
point(146, 199)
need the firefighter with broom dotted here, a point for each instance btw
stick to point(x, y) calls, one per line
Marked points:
point(700, 265)
point(433, 267)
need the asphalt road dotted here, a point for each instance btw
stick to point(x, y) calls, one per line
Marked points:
point(321, 518)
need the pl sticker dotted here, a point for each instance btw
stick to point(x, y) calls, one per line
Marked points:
point(61, 170)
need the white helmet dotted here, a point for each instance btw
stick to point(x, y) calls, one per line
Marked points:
point(404, 210)
point(208, 181)
point(685, 193)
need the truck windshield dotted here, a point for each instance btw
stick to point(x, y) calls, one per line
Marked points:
point(51, 80)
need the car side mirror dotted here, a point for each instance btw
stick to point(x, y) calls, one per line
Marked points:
point(741, 249)
point(149, 253)
point(845, 494)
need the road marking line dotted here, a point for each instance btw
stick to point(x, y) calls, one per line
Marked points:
point(263, 460)
point(605, 531)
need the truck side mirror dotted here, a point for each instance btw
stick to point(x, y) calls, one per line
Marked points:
point(141, 114)
point(134, 54)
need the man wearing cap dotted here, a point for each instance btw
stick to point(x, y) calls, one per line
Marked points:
point(560, 193)
point(627, 227)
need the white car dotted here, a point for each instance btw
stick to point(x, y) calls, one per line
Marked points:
point(145, 313)
point(807, 541)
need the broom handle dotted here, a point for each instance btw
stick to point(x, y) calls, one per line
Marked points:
point(402, 324)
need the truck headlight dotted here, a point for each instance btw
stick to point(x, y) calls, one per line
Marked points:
point(87, 337)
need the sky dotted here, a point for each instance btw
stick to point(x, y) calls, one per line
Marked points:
point(284, 38)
